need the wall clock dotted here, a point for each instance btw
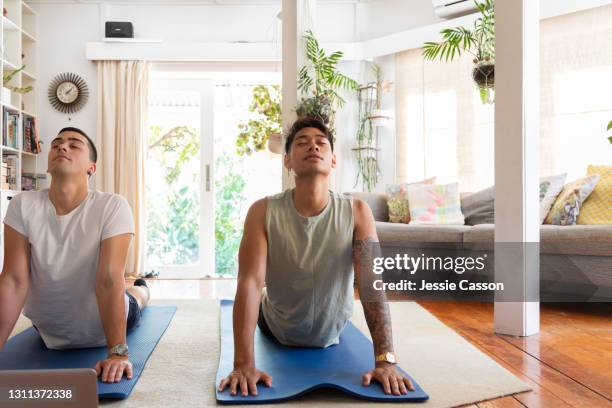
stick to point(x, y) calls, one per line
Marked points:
point(68, 92)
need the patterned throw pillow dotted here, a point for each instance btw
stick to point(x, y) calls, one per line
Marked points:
point(397, 201)
point(550, 187)
point(566, 208)
point(597, 209)
point(435, 204)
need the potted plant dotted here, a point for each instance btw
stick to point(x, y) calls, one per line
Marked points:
point(319, 81)
point(479, 41)
point(265, 129)
point(610, 127)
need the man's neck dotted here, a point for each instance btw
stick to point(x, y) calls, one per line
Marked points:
point(66, 194)
point(310, 195)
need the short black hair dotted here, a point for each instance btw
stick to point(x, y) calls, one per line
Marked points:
point(308, 122)
point(93, 152)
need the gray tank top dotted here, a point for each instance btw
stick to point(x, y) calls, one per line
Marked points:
point(309, 277)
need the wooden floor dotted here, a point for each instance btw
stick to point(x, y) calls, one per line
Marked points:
point(568, 364)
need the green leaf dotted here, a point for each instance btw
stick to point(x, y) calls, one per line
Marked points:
point(610, 139)
point(610, 125)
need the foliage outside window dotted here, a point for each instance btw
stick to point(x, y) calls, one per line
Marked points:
point(173, 226)
point(230, 198)
point(479, 41)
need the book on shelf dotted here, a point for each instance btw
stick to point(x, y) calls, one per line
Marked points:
point(9, 162)
point(9, 129)
point(31, 143)
point(31, 181)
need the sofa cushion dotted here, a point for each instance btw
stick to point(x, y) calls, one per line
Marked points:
point(594, 240)
point(478, 208)
point(377, 203)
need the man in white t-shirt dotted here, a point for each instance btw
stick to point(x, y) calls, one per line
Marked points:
point(65, 254)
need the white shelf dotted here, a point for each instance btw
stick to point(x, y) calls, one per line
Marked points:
point(10, 107)
point(28, 74)
point(28, 114)
point(8, 24)
point(27, 36)
point(10, 149)
point(131, 40)
point(27, 9)
point(9, 65)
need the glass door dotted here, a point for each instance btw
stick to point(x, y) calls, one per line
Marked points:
point(179, 198)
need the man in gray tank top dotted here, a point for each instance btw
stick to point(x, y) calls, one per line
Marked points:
point(296, 262)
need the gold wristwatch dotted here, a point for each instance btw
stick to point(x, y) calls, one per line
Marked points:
point(388, 357)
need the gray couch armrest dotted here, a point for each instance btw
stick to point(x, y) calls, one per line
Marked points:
point(377, 203)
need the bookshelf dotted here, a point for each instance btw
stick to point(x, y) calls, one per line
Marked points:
point(18, 39)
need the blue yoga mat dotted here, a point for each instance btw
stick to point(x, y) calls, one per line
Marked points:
point(296, 371)
point(26, 351)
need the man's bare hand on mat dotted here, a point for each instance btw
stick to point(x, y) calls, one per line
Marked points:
point(391, 379)
point(113, 368)
point(247, 378)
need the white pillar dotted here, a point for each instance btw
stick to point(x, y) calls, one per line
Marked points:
point(517, 225)
point(297, 16)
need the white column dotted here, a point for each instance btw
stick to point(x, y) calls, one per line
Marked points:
point(517, 226)
point(297, 16)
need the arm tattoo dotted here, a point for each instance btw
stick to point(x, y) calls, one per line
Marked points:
point(374, 302)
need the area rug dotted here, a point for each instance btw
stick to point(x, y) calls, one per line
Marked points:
point(181, 371)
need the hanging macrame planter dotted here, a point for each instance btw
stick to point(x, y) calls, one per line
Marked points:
point(380, 117)
point(484, 77)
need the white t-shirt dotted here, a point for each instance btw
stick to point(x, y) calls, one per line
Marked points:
point(61, 301)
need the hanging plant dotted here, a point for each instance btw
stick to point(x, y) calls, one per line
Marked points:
point(9, 75)
point(255, 133)
point(319, 82)
point(479, 41)
point(366, 152)
point(609, 128)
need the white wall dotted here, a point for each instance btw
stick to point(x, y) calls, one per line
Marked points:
point(65, 28)
point(62, 33)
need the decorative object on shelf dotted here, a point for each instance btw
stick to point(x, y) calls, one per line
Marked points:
point(119, 29)
point(4, 11)
point(68, 92)
point(6, 78)
point(319, 81)
point(371, 116)
point(609, 128)
point(480, 42)
point(255, 135)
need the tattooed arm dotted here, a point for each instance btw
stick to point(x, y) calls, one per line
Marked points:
point(374, 302)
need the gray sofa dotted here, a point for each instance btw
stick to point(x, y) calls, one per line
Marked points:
point(567, 253)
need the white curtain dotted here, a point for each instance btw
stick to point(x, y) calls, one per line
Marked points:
point(444, 130)
point(122, 132)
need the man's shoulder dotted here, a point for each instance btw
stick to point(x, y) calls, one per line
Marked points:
point(106, 198)
point(29, 198)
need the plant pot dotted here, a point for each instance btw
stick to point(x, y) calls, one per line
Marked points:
point(275, 143)
point(6, 96)
point(316, 107)
point(484, 74)
point(380, 117)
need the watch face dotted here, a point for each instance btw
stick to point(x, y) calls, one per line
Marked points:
point(67, 92)
point(391, 358)
point(120, 350)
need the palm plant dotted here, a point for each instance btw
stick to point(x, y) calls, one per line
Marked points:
point(479, 41)
point(319, 80)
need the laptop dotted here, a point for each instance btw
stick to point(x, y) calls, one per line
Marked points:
point(63, 388)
